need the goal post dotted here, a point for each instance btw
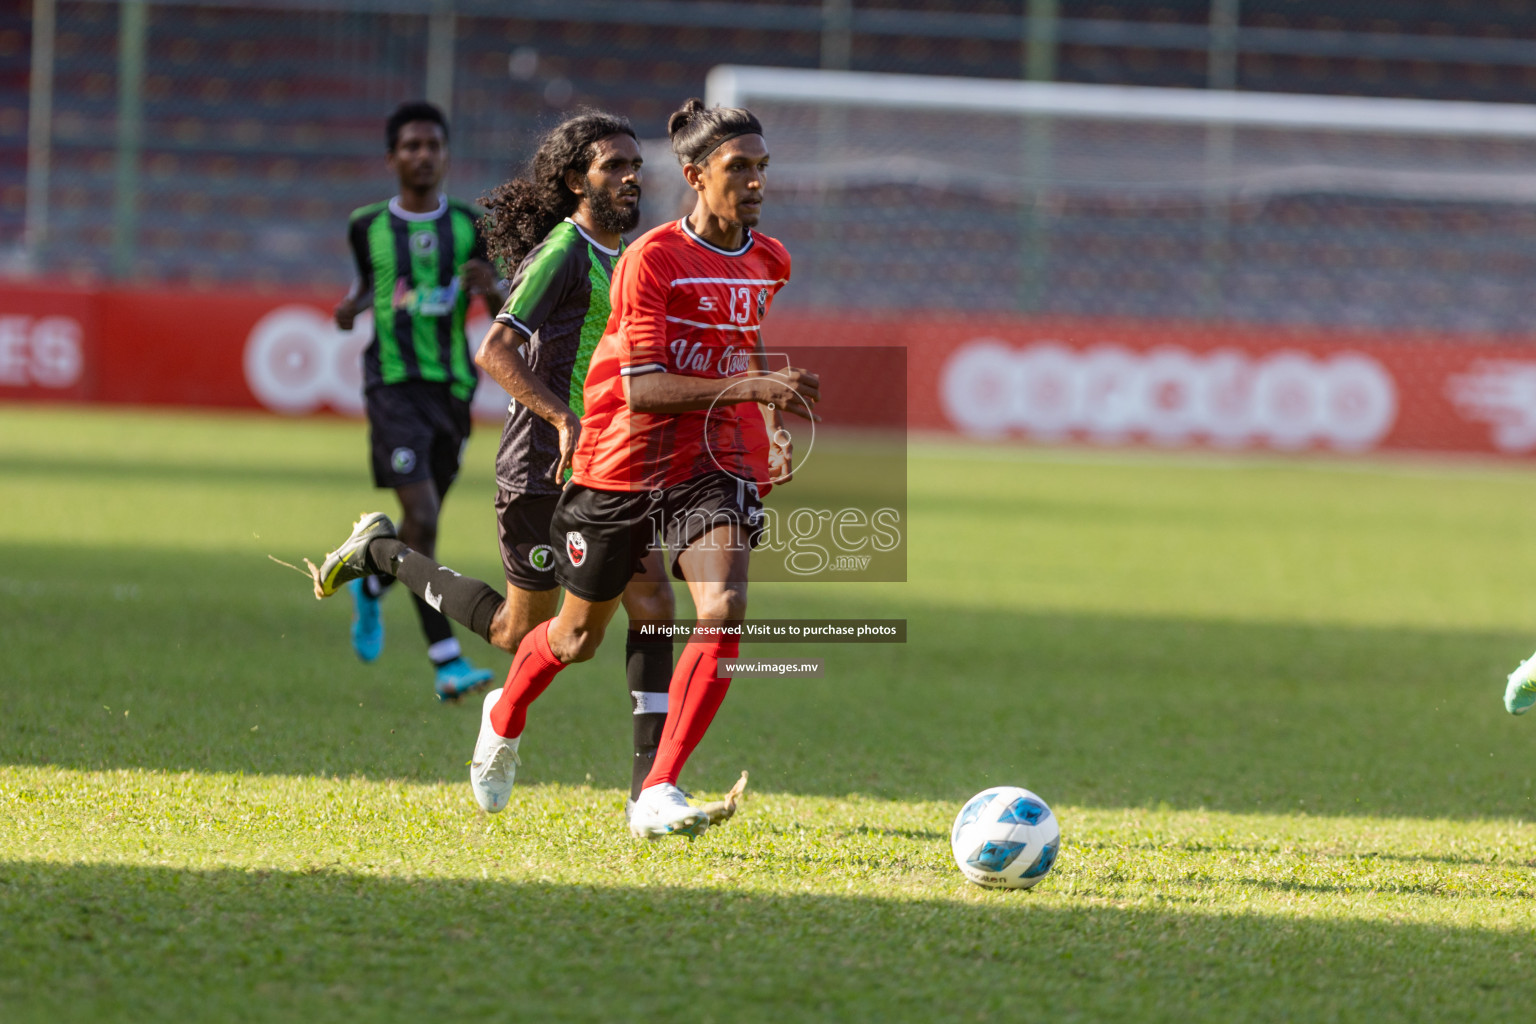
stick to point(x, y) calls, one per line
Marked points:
point(735, 85)
point(943, 193)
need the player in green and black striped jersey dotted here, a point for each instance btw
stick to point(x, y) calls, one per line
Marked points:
point(556, 315)
point(416, 262)
point(562, 227)
point(420, 258)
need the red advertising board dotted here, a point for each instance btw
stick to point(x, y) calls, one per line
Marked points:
point(48, 344)
point(225, 349)
point(1111, 382)
point(1082, 380)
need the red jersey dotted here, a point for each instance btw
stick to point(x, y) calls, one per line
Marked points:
point(679, 305)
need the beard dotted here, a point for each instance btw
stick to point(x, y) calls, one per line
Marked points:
point(610, 216)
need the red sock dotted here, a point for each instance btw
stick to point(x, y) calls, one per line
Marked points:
point(534, 667)
point(693, 698)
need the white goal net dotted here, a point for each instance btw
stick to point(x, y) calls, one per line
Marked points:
point(910, 192)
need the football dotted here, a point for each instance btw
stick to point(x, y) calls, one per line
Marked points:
point(1005, 838)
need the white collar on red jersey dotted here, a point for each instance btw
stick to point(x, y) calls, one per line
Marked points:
point(688, 230)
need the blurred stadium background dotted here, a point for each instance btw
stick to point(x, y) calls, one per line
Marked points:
point(204, 147)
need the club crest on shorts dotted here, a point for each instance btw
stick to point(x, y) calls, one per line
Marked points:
point(402, 460)
point(576, 547)
point(542, 557)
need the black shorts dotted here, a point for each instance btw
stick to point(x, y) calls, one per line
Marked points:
point(602, 537)
point(417, 431)
point(522, 525)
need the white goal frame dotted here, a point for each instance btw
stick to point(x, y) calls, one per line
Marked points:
point(730, 85)
point(1200, 167)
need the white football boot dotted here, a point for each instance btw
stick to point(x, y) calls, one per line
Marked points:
point(494, 768)
point(662, 810)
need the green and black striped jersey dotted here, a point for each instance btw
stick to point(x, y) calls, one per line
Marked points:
point(559, 303)
point(408, 263)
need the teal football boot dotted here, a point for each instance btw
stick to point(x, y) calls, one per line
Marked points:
point(1520, 693)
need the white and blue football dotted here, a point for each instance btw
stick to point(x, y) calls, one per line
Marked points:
point(1005, 838)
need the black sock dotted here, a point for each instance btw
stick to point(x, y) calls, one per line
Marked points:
point(465, 600)
point(376, 585)
point(648, 668)
point(442, 645)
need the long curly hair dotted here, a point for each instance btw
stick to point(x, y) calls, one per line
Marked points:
point(525, 209)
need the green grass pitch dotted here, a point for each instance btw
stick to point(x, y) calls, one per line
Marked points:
point(1263, 697)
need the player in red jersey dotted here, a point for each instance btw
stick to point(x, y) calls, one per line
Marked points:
point(682, 432)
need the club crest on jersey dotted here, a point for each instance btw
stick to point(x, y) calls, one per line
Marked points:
point(762, 304)
point(424, 242)
point(576, 547)
point(542, 557)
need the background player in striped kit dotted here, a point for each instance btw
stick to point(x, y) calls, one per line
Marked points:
point(419, 259)
point(670, 450)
